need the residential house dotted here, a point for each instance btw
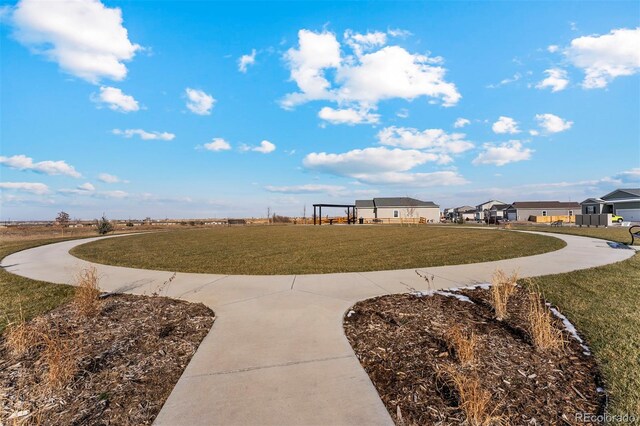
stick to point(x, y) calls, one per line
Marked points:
point(464, 212)
point(397, 209)
point(497, 212)
point(622, 202)
point(482, 210)
point(523, 210)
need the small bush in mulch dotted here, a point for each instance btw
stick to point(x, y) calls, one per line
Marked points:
point(404, 344)
point(116, 366)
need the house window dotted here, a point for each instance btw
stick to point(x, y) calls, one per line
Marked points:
point(591, 209)
point(570, 212)
point(396, 213)
point(544, 212)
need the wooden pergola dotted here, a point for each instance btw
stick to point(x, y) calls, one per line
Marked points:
point(351, 212)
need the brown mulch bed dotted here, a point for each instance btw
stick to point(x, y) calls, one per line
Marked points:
point(124, 362)
point(401, 342)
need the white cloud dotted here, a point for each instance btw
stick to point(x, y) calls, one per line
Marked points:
point(34, 188)
point(360, 43)
point(306, 189)
point(199, 102)
point(517, 76)
point(22, 162)
point(315, 53)
point(112, 194)
point(552, 123)
point(403, 113)
point(115, 100)
point(87, 187)
point(392, 72)
point(217, 144)
point(629, 176)
point(246, 60)
point(144, 135)
point(442, 178)
point(553, 48)
point(369, 77)
point(505, 153)
point(606, 57)
point(265, 147)
point(107, 178)
point(84, 37)
point(349, 116)
point(556, 79)
point(505, 125)
point(433, 140)
point(368, 161)
point(461, 122)
point(534, 132)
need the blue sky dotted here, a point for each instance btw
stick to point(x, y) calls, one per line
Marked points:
point(217, 109)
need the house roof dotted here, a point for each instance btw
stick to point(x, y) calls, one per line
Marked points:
point(402, 202)
point(634, 192)
point(544, 205)
point(593, 201)
point(394, 202)
point(488, 202)
point(499, 206)
point(363, 204)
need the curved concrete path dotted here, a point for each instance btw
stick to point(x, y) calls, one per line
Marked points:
point(277, 353)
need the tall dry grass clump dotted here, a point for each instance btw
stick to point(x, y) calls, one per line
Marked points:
point(540, 327)
point(20, 337)
point(502, 287)
point(463, 344)
point(87, 294)
point(474, 401)
point(59, 356)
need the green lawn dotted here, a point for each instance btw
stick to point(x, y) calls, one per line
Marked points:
point(22, 294)
point(604, 303)
point(312, 249)
point(611, 233)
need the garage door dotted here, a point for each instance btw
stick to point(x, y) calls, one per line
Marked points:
point(512, 216)
point(630, 215)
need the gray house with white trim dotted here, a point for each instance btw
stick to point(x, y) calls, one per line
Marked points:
point(623, 202)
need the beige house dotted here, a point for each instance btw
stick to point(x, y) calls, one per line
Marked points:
point(523, 210)
point(397, 210)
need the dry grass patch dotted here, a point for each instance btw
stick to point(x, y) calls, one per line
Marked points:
point(502, 287)
point(462, 344)
point(543, 333)
point(473, 399)
point(86, 299)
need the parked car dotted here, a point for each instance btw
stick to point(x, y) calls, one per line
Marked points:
point(615, 218)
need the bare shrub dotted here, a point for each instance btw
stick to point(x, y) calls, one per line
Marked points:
point(87, 292)
point(502, 287)
point(473, 400)
point(544, 335)
point(462, 344)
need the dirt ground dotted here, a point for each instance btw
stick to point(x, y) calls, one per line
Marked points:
point(122, 363)
point(401, 341)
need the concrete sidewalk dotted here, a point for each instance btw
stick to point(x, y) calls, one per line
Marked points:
point(277, 353)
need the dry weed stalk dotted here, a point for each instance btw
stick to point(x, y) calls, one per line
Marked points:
point(541, 330)
point(87, 294)
point(473, 400)
point(502, 287)
point(463, 344)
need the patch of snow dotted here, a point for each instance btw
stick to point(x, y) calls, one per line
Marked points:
point(442, 293)
point(570, 328)
point(351, 312)
point(599, 390)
